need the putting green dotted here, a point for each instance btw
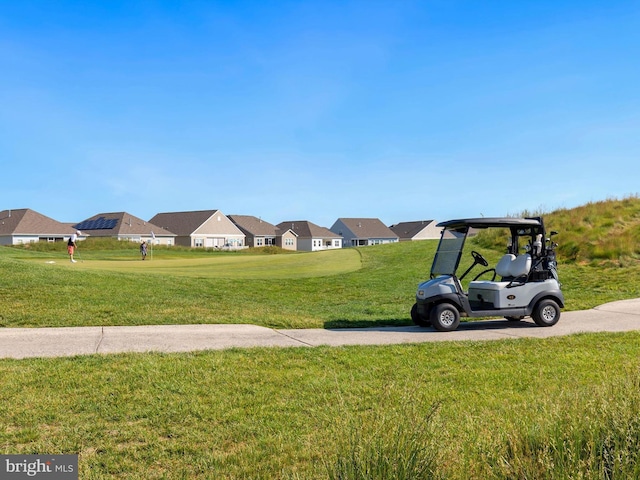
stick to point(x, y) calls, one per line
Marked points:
point(301, 265)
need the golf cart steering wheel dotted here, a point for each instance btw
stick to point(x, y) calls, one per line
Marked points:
point(478, 258)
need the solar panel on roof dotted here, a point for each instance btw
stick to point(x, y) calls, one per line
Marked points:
point(99, 223)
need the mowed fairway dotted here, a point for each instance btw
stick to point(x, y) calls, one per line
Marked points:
point(350, 287)
point(301, 265)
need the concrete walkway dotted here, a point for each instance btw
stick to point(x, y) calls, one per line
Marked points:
point(55, 342)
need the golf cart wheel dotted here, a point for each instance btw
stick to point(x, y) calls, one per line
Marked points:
point(417, 318)
point(546, 313)
point(445, 317)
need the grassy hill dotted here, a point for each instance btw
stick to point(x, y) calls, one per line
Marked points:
point(606, 231)
point(598, 233)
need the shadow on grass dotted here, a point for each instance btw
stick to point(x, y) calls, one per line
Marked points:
point(388, 322)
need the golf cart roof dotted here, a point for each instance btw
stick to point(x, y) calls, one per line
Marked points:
point(504, 222)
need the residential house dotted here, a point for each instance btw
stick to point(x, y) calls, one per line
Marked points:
point(358, 232)
point(420, 230)
point(311, 237)
point(259, 233)
point(287, 239)
point(24, 225)
point(124, 226)
point(202, 229)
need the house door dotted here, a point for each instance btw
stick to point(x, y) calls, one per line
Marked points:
point(215, 242)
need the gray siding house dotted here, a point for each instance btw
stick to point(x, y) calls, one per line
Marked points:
point(358, 232)
point(311, 237)
point(259, 233)
point(202, 229)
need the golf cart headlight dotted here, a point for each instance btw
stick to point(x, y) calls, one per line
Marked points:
point(421, 293)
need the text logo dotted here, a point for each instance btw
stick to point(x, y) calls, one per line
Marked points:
point(45, 467)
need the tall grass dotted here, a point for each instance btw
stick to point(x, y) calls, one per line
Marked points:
point(605, 231)
point(399, 445)
point(597, 437)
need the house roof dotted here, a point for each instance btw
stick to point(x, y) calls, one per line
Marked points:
point(306, 229)
point(25, 221)
point(283, 231)
point(183, 223)
point(253, 226)
point(366, 228)
point(410, 229)
point(119, 224)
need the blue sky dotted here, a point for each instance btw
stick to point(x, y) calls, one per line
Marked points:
point(315, 110)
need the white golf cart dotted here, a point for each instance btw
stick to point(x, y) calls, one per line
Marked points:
point(528, 284)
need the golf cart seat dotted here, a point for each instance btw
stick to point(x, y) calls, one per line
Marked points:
point(512, 269)
point(504, 265)
point(520, 266)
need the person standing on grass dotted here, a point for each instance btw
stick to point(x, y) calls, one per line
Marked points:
point(143, 249)
point(71, 245)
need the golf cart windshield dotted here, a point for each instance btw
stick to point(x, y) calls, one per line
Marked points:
point(447, 258)
point(449, 252)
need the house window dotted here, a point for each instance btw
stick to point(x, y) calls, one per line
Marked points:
point(198, 242)
point(288, 242)
point(336, 243)
point(259, 242)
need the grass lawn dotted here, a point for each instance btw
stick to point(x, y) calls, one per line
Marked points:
point(226, 265)
point(350, 287)
point(292, 413)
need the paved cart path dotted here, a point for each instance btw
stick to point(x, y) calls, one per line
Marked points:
point(68, 341)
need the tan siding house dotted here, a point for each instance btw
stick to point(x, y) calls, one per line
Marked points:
point(22, 226)
point(419, 230)
point(202, 229)
point(287, 239)
point(124, 226)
